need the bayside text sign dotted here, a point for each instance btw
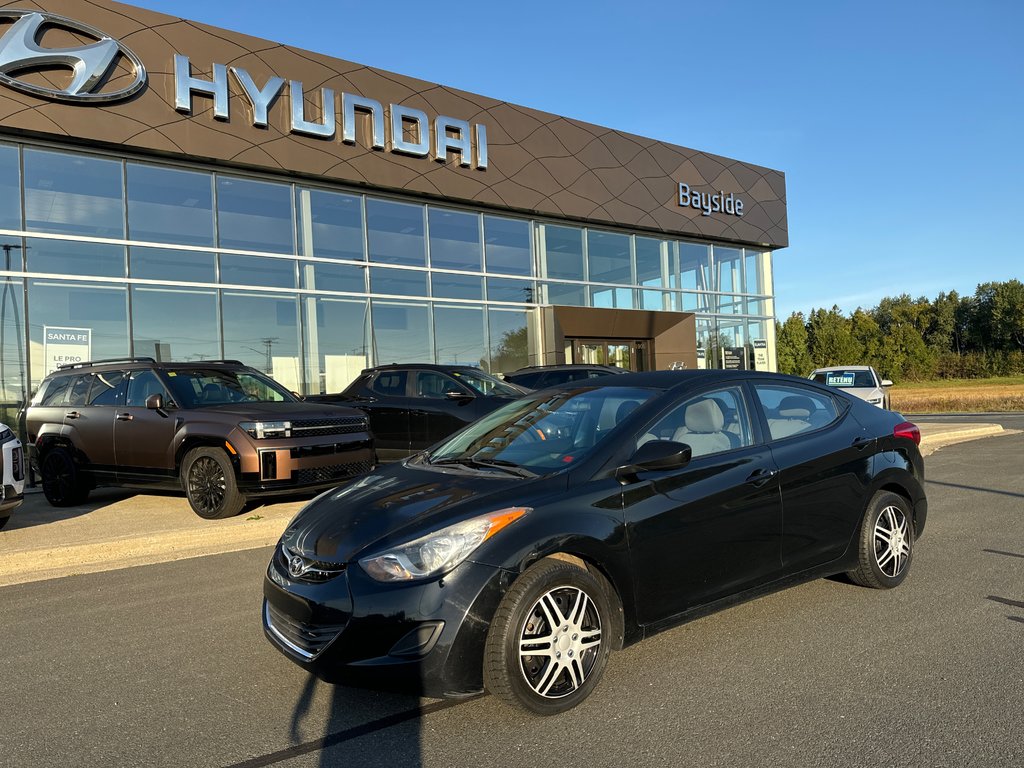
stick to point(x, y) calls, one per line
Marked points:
point(708, 203)
point(64, 346)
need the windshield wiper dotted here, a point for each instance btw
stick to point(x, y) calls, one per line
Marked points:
point(469, 461)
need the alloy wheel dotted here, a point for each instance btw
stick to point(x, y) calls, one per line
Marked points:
point(206, 484)
point(560, 642)
point(58, 476)
point(892, 541)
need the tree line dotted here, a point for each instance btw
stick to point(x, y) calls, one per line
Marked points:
point(907, 339)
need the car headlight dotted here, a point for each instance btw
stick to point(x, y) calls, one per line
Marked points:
point(267, 429)
point(440, 551)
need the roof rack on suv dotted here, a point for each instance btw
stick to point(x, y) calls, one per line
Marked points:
point(205, 362)
point(66, 366)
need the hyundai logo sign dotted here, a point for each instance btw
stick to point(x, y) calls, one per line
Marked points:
point(91, 63)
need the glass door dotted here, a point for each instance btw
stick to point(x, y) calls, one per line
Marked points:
point(630, 354)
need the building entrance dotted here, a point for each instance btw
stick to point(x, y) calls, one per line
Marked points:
point(631, 354)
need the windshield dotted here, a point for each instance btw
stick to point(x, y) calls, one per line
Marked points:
point(544, 434)
point(484, 383)
point(200, 387)
point(845, 379)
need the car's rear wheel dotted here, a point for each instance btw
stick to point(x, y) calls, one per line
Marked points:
point(886, 545)
point(63, 483)
point(210, 485)
point(549, 640)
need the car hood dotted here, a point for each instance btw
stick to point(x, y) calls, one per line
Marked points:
point(399, 503)
point(283, 411)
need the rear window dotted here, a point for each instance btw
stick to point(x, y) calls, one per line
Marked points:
point(845, 379)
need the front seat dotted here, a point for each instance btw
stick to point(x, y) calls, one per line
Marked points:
point(703, 429)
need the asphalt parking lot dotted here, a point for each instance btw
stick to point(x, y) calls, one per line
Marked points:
point(165, 664)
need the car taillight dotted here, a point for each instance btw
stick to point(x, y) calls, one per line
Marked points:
point(907, 430)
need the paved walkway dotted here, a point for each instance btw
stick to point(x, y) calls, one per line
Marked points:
point(119, 528)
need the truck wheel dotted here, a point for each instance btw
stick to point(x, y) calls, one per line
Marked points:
point(210, 485)
point(63, 483)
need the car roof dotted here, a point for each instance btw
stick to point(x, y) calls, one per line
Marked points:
point(422, 366)
point(564, 367)
point(843, 368)
point(131, 363)
point(680, 379)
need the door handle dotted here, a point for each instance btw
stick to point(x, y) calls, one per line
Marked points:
point(761, 476)
point(861, 443)
point(72, 415)
point(124, 417)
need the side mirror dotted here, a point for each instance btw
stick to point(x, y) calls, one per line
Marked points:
point(654, 456)
point(155, 402)
point(886, 383)
point(455, 395)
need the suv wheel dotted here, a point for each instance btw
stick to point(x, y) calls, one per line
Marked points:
point(210, 485)
point(63, 484)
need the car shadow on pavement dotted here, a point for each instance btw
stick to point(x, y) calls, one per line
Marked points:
point(36, 510)
point(975, 488)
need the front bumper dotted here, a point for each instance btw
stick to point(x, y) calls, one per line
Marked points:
point(425, 637)
point(266, 467)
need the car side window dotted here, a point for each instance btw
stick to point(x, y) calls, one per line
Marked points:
point(79, 391)
point(56, 390)
point(791, 409)
point(390, 383)
point(432, 384)
point(711, 422)
point(108, 388)
point(143, 384)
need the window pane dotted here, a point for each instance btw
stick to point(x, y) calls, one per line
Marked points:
point(728, 266)
point(333, 277)
point(401, 333)
point(454, 239)
point(694, 263)
point(100, 311)
point(257, 270)
point(608, 257)
point(335, 225)
point(656, 300)
point(792, 410)
point(398, 282)
point(566, 294)
point(447, 286)
point(648, 262)
point(712, 422)
point(143, 384)
point(395, 232)
point(612, 298)
point(71, 257)
point(508, 246)
point(254, 215)
point(509, 340)
point(506, 289)
point(166, 205)
point(73, 194)
point(563, 252)
point(10, 188)
point(167, 264)
point(335, 359)
point(263, 332)
point(108, 388)
point(178, 325)
point(13, 356)
point(459, 334)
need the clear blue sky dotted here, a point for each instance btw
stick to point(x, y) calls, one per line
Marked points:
point(899, 125)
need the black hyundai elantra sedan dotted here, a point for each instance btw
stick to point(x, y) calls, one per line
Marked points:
point(516, 555)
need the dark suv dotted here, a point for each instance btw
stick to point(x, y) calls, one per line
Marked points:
point(541, 376)
point(223, 432)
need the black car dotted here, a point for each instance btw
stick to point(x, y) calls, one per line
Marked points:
point(413, 406)
point(541, 376)
point(574, 521)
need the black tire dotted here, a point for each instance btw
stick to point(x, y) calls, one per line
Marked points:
point(63, 482)
point(542, 684)
point(886, 542)
point(210, 484)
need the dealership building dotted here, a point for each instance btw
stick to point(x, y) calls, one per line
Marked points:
point(175, 190)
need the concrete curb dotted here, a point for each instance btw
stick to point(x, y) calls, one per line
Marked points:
point(934, 436)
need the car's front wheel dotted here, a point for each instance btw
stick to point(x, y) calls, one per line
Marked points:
point(549, 640)
point(63, 483)
point(886, 544)
point(210, 485)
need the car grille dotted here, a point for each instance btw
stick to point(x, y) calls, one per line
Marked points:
point(332, 472)
point(345, 425)
point(316, 571)
point(307, 640)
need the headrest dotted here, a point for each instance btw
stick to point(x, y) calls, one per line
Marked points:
point(795, 407)
point(704, 416)
point(625, 409)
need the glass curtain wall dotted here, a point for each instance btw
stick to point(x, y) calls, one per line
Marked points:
point(112, 257)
